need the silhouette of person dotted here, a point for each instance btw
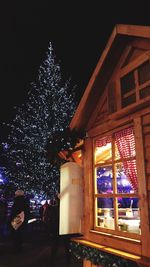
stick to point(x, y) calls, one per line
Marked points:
point(3, 217)
point(45, 216)
point(54, 230)
point(20, 205)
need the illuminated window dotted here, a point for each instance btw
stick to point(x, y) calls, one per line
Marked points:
point(116, 187)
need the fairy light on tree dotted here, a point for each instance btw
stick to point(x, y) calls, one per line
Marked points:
point(48, 109)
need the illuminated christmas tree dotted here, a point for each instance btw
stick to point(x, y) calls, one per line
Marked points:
point(47, 111)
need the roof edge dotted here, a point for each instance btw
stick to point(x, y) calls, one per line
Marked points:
point(133, 30)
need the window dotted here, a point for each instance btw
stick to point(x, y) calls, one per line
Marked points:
point(144, 72)
point(116, 188)
point(135, 84)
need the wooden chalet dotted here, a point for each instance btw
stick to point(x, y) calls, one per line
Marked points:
point(115, 114)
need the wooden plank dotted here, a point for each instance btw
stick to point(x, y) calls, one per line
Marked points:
point(118, 94)
point(148, 180)
point(145, 236)
point(135, 53)
point(116, 85)
point(146, 119)
point(133, 64)
point(147, 153)
point(98, 108)
point(117, 242)
point(147, 141)
point(115, 79)
point(88, 187)
point(133, 30)
point(124, 56)
point(115, 120)
point(146, 129)
point(136, 78)
point(143, 43)
point(148, 167)
point(141, 108)
point(104, 127)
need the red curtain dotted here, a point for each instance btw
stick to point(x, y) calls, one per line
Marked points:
point(103, 141)
point(125, 142)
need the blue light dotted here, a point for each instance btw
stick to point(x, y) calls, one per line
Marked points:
point(5, 145)
point(1, 179)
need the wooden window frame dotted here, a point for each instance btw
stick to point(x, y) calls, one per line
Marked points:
point(132, 66)
point(113, 195)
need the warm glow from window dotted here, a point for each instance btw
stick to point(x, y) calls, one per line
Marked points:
point(103, 153)
point(115, 184)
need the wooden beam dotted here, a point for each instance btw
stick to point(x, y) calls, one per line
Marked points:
point(145, 231)
point(143, 43)
point(120, 118)
point(133, 30)
point(88, 187)
point(133, 64)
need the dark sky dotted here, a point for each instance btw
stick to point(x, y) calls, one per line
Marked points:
point(78, 35)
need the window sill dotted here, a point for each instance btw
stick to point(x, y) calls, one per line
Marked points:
point(117, 252)
point(116, 236)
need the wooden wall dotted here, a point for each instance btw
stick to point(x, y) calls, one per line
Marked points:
point(146, 141)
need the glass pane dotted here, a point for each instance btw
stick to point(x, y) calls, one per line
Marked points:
point(127, 83)
point(103, 152)
point(105, 213)
point(128, 100)
point(104, 180)
point(145, 92)
point(144, 72)
point(123, 182)
point(128, 215)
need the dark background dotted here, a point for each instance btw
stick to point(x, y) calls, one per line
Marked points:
point(78, 32)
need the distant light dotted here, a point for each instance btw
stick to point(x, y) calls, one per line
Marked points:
point(5, 145)
point(43, 202)
point(32, 220)
point(18, 163)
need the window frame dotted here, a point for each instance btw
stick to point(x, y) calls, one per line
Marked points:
point(133, 67)
point(113, 195)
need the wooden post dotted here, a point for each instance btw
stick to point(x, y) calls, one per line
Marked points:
point(88, 187)
point(142, 187)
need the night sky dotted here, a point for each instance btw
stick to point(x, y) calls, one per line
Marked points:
point(78, 34)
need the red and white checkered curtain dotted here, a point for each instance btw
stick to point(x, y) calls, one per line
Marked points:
point(126, 146)
point(103, 141)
